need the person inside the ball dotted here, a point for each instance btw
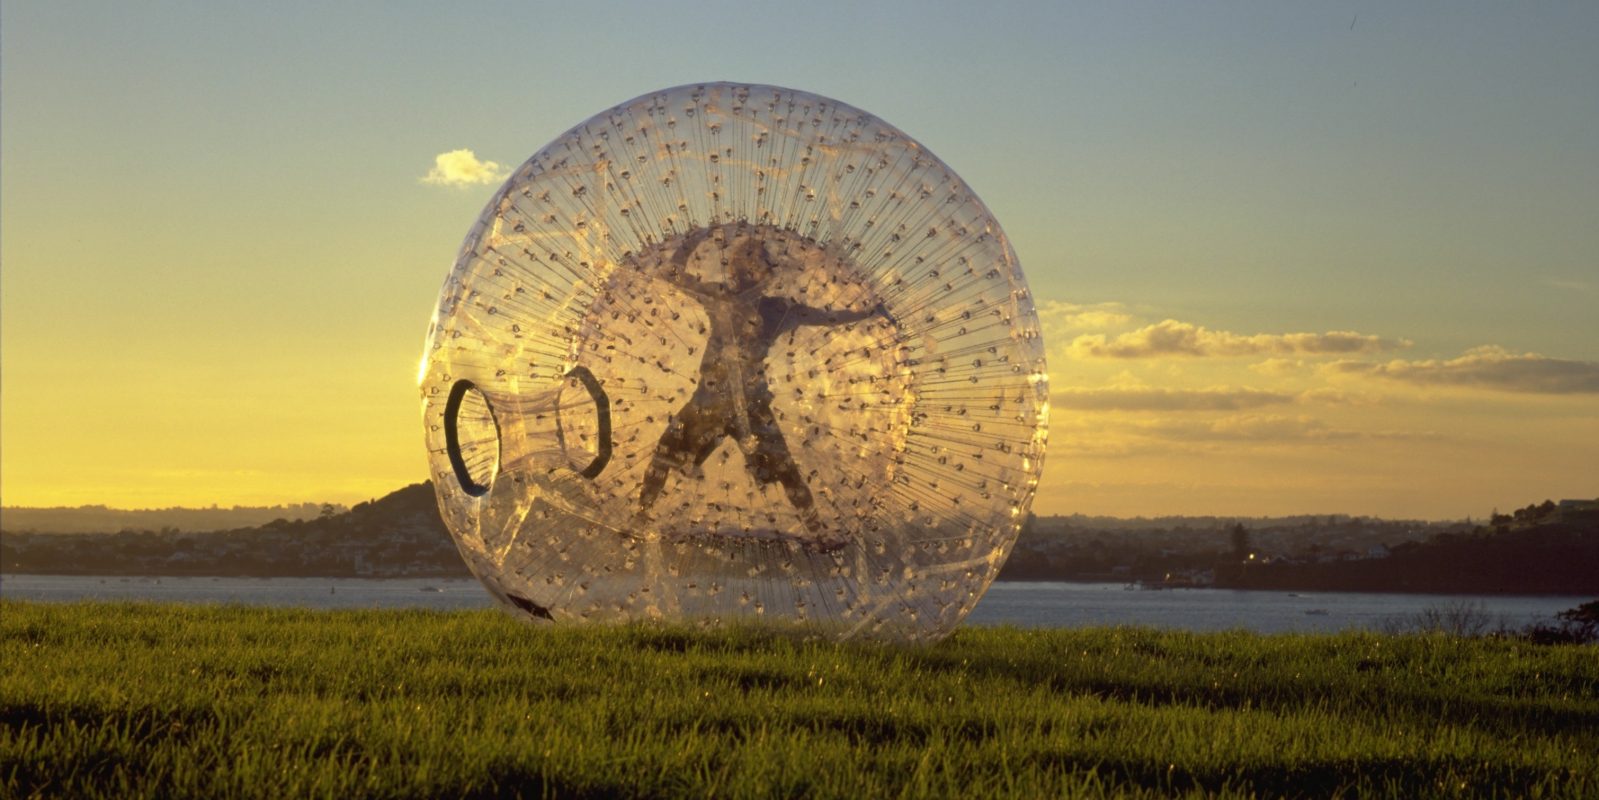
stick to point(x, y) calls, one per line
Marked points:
point(732, 397)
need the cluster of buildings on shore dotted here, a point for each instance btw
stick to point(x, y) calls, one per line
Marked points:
point(1184, 551)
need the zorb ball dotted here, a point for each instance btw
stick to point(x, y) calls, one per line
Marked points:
point(729, 353)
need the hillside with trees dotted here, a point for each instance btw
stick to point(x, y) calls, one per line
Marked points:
point(100, 519)
point(398, 535)
point(1547, 548)
point(1540, 549)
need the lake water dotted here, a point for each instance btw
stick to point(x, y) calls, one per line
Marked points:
point(1047, 605)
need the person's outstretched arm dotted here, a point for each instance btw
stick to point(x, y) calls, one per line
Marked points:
point(788, 316)
point(808, 315)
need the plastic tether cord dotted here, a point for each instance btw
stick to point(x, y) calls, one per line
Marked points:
point(452, 437)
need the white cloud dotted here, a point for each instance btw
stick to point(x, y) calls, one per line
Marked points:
point(1265, 428)
point(1153, 399)
point(1173, 338)
point(1569, 285)
point(1060, 318)
point(1278, 367)
point(462, 168)
point(1328, 396)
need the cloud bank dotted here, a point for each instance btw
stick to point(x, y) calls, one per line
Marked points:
point(1059, 317)
point(1488, 368)
point(1173, 338)
point(462, 168)
point(1270, 429)
point(1152, 399)
point(1248, 428)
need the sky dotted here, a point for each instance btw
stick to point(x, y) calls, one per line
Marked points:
point(1290, 258)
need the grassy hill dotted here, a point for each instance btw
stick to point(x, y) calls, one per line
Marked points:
point(137, 700)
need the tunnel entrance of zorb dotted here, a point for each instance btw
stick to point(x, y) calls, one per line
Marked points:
point(472, 438)
point(736, 353)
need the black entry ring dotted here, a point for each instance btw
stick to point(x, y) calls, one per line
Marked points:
point(452, 436)
point(602, 413)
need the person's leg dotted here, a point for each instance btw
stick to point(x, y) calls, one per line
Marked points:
point(799, 495)
point(771, 462)
point(707, 443)
point(690, 437)
point(667, 455)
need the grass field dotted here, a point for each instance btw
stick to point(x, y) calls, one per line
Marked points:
point(136, 700)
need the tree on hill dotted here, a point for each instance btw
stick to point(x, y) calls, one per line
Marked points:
point(1240, 539)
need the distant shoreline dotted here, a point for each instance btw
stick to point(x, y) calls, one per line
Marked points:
point(1540, 550)
point(464, 575)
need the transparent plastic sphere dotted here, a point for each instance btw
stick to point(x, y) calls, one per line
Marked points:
point(732, 353)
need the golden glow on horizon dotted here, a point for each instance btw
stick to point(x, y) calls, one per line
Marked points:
point(1157, 434)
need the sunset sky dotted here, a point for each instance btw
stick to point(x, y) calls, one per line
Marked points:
point(1290, 258)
